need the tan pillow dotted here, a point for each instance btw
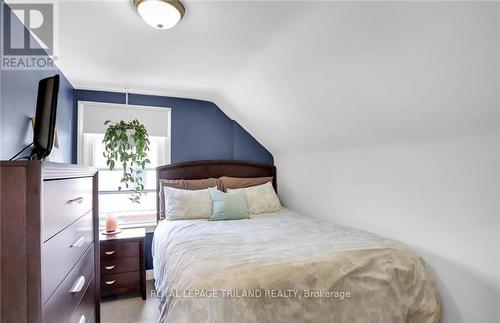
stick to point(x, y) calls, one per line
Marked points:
point(226, 182)
point(183, 184)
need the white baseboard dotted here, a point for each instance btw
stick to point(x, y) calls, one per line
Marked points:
point(149, 274)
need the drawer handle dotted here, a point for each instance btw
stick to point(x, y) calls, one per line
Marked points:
point(78, 243)
point(78, 286)
point(109, 252)
point(83, 319)
point(78, 200)
point(109, 267)
point(110, 282)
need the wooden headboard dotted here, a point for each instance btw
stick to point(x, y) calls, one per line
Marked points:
point(211, 168)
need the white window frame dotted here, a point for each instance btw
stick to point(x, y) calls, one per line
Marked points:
point(80, 148)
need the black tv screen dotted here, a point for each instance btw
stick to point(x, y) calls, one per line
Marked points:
point(45, 118)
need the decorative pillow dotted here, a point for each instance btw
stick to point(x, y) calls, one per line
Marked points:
point(226, 182)
point(189, 184)
point(185, 184)
point(187, 204)
point(260, 199)
point(228, 206)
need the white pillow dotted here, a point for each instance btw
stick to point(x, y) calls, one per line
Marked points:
point(187, 204)
point(260, 198)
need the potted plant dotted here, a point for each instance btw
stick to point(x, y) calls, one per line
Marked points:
point(127, 143)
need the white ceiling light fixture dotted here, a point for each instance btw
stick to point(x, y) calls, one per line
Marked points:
point(160, 14)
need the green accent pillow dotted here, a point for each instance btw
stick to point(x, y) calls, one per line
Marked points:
point(228, 206)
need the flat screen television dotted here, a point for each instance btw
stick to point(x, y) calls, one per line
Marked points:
point(45, 117)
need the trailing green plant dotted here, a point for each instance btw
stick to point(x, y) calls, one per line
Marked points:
point(127, 143)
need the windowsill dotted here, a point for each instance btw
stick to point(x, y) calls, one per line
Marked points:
point(131, 221)
point(150, 226)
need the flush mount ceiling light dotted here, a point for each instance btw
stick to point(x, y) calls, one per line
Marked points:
point(160, 14)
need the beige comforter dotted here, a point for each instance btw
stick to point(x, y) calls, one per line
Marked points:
point(286, 267)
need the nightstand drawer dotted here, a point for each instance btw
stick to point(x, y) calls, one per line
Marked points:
point(122, 263)
point(119, 265)
point(119, 250)
point(120, 280)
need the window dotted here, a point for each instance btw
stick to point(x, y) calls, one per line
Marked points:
point(91, 130)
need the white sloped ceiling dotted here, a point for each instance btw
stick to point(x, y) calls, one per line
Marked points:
point(301, 74)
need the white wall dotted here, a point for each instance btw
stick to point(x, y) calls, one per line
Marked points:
point(385, 116)
point(440, 197)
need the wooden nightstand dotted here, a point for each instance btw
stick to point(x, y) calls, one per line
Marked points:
point(122, 263)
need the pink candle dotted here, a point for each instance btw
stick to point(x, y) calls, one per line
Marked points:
point(111, 223)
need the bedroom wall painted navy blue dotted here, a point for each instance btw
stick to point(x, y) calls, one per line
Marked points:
point(246, 147)
point(18, 104)
point(200, 130)
point(19, 91)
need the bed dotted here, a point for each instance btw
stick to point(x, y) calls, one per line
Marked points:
point(283, 266)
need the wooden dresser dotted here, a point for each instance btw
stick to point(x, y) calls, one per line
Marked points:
point(49, 269)
point(122, 263)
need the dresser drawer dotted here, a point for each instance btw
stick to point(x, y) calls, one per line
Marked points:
point(119, 250)
point(85, 310)
point(119, 265)
point(64, 201)
point(62, 251)
point(67, 296)
point(120, 280)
